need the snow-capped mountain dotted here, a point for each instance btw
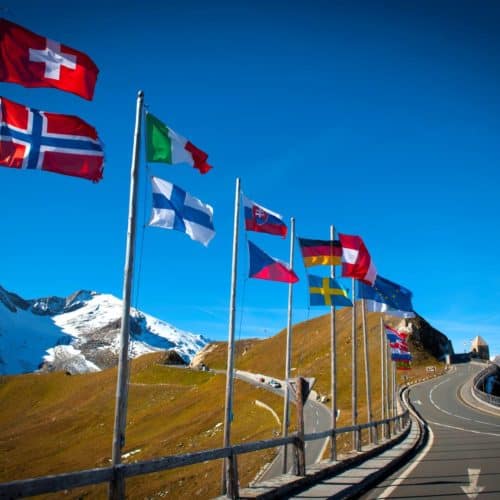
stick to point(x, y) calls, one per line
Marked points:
point(79, 333)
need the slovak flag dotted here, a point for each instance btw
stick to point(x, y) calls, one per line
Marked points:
point(356, 260)
point(400, 356)
point(261, 219)
point(64, 144)
point(32, 60)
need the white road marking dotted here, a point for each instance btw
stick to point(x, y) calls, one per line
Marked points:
point(388, 491)
point(453, 414)
point(462, 429)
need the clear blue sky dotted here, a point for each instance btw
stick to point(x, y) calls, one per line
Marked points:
point(382, 118)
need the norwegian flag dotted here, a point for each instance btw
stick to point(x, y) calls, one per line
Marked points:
point(394, 335)
point(356, 260)
point(63, 144)
point(32, 60)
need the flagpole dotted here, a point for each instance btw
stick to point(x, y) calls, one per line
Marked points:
point(395, 395)
point(286, 407)
point(226, 478)
point(382, 370)
point(393, 414)
point(117, 487)
point(354, 401)
point(388, 381)
point(333, 353)
point(367, 373)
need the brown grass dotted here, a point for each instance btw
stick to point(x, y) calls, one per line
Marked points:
point(54, 423)
point(311, 358)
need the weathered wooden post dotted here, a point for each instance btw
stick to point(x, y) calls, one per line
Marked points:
point(302, 391)
point(232, 484)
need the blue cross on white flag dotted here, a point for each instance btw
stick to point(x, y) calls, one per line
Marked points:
point(173, 208)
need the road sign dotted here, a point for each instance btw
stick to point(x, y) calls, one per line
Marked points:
point(307, 384)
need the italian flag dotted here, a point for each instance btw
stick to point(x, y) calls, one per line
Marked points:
point(163, 145)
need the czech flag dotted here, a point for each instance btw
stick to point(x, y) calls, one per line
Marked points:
point(265, 267)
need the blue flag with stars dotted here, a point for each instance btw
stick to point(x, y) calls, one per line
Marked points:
point(389, 294)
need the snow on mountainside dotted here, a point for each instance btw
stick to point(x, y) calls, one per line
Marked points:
point(79, 333)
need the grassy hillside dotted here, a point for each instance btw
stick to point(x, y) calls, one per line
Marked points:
point(311, 358)
point(53, 423)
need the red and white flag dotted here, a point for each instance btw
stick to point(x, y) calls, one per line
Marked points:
point(356, 260)
point(400, 346)
point(32, 60)
point(63, 144)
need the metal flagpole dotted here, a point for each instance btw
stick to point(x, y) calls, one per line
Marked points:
point(354, 401)
point(393, 413)
point(395, 394)
point(286, 408)
point(227, 471)
point(117, 486)
point(333, 353)
point(367, 373)
point(388, 381)
point(382, 370)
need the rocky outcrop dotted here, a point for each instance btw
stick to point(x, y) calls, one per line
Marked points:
point(425, 337)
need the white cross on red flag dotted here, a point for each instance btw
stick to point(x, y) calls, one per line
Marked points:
point(32, 60)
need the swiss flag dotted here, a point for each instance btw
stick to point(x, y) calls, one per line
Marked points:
point(32, 60)
point(39, 140)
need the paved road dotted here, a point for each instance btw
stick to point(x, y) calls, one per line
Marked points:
point(316, 418)
point(462, 458)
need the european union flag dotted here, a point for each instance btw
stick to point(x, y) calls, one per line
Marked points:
point(386, 292)
point(327, 292)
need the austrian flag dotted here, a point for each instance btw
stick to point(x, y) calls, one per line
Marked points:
point(356, 260)
point(63, 144)
point(32, 60)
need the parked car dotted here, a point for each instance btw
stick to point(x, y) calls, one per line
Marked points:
point(274, 383)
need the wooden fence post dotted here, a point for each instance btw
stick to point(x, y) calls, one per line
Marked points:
point(232, 485)
point(302, 392)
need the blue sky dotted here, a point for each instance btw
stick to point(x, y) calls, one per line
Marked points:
point(381, 118)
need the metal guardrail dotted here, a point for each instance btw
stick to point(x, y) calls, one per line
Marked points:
point(54, 483)
point(479, 381)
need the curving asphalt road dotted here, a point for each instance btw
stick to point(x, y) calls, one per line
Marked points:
point(462, 457)
point(316, 418)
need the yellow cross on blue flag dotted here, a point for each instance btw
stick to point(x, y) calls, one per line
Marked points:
point(327, 292)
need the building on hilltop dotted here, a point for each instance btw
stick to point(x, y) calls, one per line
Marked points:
point(479, 348)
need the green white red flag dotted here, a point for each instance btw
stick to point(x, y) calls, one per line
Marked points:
point(163, 145)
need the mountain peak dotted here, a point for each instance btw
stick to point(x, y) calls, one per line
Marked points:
point(81, 330)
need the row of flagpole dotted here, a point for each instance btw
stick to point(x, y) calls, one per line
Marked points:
point(166, 146)
point(269, 269)
point(229, 465)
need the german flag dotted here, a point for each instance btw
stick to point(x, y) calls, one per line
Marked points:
point(321, 252)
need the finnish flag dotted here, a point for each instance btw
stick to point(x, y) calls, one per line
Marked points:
point(173, 208)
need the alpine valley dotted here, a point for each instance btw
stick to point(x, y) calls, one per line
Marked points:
point(79, 333)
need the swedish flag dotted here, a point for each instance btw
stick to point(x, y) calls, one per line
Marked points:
point(327, 292)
